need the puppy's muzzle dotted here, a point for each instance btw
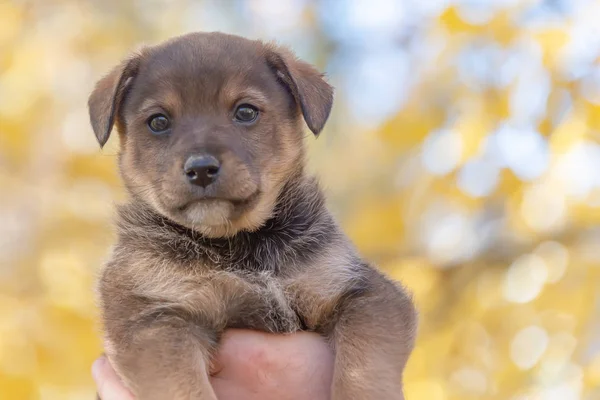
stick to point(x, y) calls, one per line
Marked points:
point(202, 170)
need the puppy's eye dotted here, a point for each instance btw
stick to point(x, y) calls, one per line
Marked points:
point(246, 113)
point(159, 123)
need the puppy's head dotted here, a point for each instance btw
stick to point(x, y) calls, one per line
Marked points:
point(210, 127)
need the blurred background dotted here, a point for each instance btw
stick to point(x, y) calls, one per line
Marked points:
point(462, 156)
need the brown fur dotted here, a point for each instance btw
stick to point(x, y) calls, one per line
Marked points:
point(255, 249)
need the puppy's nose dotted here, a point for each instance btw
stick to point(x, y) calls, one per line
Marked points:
point(202, 170)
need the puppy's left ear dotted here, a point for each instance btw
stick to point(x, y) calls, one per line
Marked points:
point(106, 99)
point(311, 92)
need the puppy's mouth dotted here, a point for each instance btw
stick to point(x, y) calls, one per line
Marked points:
point(237, 203)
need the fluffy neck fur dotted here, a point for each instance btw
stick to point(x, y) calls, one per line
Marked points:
point(300, 228)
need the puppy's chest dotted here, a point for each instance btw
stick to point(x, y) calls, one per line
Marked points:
point(266, 305)
point(226, 299)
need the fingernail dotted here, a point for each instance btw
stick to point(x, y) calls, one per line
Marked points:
point(97, 366)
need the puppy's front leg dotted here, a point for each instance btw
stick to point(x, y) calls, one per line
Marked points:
point(165, 360)
point(372, 338)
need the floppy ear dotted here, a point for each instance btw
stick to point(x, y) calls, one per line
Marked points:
point(106, 99)
point(312, 93)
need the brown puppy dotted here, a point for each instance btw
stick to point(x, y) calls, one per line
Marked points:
point(225, 230)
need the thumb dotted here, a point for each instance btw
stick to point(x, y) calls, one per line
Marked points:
point(108, 383)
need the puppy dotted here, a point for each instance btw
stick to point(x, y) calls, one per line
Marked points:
point(224, 229)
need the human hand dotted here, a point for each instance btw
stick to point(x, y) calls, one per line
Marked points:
point(251, 365)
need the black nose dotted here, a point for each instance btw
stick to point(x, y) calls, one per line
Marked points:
point(202, 170)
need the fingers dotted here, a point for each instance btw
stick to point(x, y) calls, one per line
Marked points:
point(241, 349)
point(109, 385)
point(273, 366)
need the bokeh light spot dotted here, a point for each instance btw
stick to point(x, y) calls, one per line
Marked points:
point(525, 279)
point(528, 346)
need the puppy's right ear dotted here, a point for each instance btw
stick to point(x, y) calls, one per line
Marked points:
point(106, 99)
